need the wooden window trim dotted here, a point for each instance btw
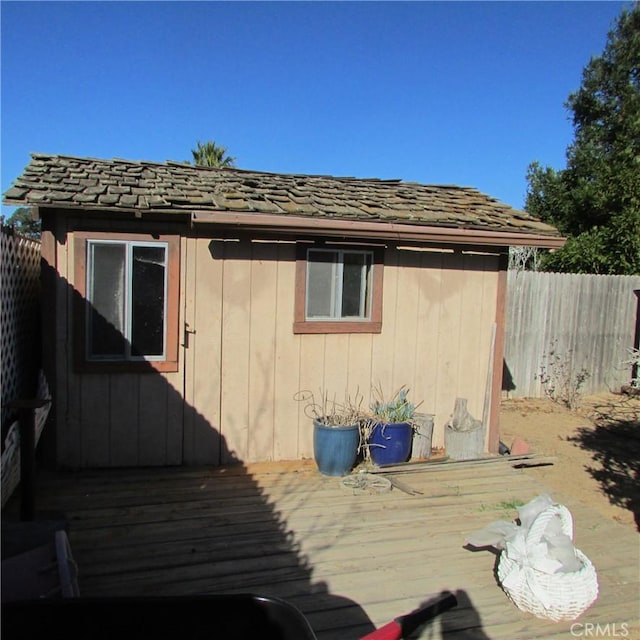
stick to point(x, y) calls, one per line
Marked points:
point(302, 325)
point(171, 360)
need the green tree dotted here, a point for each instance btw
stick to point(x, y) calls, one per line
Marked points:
point(23, 222)
point(595, 200)
point(209, 154)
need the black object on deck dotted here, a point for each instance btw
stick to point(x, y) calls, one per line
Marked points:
point(228, 617)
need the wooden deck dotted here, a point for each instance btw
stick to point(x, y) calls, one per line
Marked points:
point(348, 562)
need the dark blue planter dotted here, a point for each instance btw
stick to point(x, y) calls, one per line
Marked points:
point(335, 448)
point(390, 443)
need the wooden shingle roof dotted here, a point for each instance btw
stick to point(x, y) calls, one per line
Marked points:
point(123, 185)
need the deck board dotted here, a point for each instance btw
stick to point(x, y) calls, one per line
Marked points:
point(349, 562)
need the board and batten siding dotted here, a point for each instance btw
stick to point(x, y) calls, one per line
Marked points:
point(240, 363)
point(590, 321)
point(244, 364)
point(104, 419)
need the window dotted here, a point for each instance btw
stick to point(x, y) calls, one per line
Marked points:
point(129, 302)
point(338, 284)
point(338, 290)
point(127, 294)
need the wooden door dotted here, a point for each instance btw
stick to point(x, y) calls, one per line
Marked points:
point(202, 298)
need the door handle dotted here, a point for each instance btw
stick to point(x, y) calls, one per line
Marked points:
point(187, 332)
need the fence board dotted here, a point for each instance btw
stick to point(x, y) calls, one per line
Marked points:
point(589, 319)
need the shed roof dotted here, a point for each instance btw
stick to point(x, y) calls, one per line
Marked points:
point(124, 185)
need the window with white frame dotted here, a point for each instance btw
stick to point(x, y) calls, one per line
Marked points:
point(126, 290)
point(339, 285)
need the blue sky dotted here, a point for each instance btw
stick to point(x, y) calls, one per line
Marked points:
point(465, 93)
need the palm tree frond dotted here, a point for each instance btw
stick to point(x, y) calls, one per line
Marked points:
point(209, 154)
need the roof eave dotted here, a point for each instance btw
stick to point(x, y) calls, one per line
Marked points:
point(339, 227)
point(376, 230)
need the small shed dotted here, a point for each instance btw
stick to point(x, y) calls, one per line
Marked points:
point(184, 307)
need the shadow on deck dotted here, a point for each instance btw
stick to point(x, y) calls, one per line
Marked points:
point(350, 562)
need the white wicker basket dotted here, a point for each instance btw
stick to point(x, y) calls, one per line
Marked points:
point(566, 595)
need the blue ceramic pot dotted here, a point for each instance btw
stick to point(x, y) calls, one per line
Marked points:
point(390, 442)
point(335, 448)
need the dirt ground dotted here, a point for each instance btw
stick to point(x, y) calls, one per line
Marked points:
point(596, 449)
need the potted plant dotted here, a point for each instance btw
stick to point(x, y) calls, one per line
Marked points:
point(336, 431)
point(390, 431)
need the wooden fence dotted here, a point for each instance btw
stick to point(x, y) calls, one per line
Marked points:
point(589, 321)
point(19, 318)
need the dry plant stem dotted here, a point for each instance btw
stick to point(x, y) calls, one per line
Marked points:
point(561, 383)
point(329, 410)
point(634, 363)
